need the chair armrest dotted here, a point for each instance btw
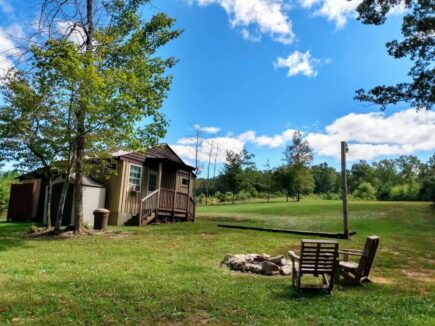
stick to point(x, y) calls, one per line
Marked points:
point(345, 252)
point(293, 256)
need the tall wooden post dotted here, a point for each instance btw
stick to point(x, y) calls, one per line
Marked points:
point(344, 150)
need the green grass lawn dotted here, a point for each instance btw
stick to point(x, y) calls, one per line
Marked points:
point(171, 274)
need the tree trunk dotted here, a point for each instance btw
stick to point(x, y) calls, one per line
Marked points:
point(298, 196)
point(60, 209)
point(233, 197)
point(80, 144)
point(78, 197)
point(48, 203)
point(286, 196)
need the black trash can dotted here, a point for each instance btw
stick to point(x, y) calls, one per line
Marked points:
point(101, 217)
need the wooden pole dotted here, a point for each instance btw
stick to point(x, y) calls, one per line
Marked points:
point(159, 184)
point(344, 149)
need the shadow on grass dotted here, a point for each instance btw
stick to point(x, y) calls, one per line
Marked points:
point(11, 234)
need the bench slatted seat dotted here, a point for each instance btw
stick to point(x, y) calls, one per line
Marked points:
point(317, 257)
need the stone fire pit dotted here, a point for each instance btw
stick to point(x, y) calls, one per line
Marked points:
point(259, 264)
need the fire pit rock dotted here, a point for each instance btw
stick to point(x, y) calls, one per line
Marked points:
point(259, 264)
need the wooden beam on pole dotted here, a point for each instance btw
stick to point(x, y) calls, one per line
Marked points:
point(344, 150)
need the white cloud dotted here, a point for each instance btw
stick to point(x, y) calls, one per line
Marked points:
point(267, 16)
point(372, 135)
point(206, 130)
point(299, 63)
point(339, 11)
point(185, 147)
point(369, 136)
point(76, 34)
point(8, 46)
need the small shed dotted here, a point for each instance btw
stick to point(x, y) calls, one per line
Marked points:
point(94, 196)
point(28, 199)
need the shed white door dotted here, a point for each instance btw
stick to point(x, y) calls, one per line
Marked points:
point(93, 198)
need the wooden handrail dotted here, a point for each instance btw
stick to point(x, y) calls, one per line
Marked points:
point(166, 200)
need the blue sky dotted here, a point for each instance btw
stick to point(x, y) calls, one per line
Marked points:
point(259, 69)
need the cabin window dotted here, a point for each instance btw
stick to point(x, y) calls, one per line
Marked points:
point(185, 182)
point(152, 183)
point(135, 177)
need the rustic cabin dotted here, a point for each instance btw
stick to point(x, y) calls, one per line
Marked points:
point(151, 186)
point(148, 187)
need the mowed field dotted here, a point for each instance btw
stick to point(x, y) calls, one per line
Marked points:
point(171, 274)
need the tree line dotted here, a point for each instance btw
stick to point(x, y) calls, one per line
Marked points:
point(404, 178)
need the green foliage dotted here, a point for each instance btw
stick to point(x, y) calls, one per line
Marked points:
point(326, 178)
point(408, 191)
point(417, 44)
point(238, 171)
point(359, 173)
point(298, 153)
point(6, 179)
point(4, 198)
point(365, 191)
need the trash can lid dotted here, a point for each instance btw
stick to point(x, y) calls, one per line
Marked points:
point(101, 210)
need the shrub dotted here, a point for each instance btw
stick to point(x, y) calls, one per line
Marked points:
point(407, 191)
point(4, 198)
point(331, 196)
point(365, 191)
point(201, 199)
point(243, 195)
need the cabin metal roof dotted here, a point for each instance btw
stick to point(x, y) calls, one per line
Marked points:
point(160, 153)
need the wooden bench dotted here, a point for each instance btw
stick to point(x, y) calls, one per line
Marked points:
point(318, 257)
point(356, 273)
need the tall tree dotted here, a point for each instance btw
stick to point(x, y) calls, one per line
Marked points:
point(325, 178)
point(360, 172)
point(233, 169)
point(120, 81)
point(298, 155)
point(418, 44)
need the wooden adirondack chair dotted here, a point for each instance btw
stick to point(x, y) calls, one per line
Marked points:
point(318, 257)
point(358, 273)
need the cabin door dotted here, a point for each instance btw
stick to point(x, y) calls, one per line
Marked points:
point(152, 181)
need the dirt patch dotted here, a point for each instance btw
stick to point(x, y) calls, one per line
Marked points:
point(382, 280)
point(424, 275)
point(44, 234)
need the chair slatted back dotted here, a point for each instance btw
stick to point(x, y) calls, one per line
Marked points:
point(318, 256)
point(368, 255)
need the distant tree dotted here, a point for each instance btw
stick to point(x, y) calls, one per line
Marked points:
point(360, 172)
point(418, 44)
point(303, 181)
point(427, 180)
point(409, 167)
point(284, 176)
point(298, 156)
point(325, 178)
point(4, 198)
point(298, 153)
point(233, 170)
point(267, 179)
point(365, 191)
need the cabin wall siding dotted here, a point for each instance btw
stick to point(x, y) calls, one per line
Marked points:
point(124, 204)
